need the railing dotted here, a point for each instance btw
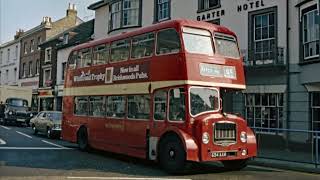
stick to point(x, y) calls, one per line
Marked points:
point(275, 57)
point(289, 145)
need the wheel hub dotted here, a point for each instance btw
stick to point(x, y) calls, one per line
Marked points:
point(171, 153)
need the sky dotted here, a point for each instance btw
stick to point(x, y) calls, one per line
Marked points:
point(26, 14)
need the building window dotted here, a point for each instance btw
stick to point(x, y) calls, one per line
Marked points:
point(124, 13)
point(8, 59)
point(30, 69)
point(7, 76)
point(32, 45)
point(162, 10)
point(25, 50)
point(310, 23)
point(37, 66)
point(64, 66)
point(0, 78)
point(208, 4)
point(16, 52)
point(1, 54)
point(46, 77)
point(263, 38)
point(264, 111)
point(38, 42)
point(15, 75)
point(24, 70)
point(48, 54)
point(315, 111)
point(65, 38)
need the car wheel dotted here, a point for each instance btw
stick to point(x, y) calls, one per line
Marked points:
point(235, 165)
point(172, 156)
point(82, 139)
point(35, 131)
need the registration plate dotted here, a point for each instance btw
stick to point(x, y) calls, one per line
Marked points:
point(218, 154)
point(21, 120)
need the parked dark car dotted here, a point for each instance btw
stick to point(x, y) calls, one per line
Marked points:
point(17, 111)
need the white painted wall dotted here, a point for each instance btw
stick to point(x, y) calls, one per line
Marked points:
point(62, 56)
point(10, 64)
point(236, 21)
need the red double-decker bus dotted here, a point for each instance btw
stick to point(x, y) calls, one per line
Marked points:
point(155, 93)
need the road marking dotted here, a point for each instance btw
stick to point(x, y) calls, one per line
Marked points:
point(2, 142)
point(5, 127)
point(53, 144)
point(123, 178)
point(26, 135)
point(34, 148)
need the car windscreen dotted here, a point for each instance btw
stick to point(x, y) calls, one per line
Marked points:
point(197, 41)
point(18, 102)
point(54, 116)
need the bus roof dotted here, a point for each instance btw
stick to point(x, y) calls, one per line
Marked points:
point(163, 25)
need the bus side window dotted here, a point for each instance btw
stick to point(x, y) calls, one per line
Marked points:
point(120, 50)
point(85, 58)
point(139, 107)
point(81, 106)
point(142, 46)
point(168, 42)
point(100, 54)
point(177, 108)
point(160, 105)
point(116, 106)
point(97, 106)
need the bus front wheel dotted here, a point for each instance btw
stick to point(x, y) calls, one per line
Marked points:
point(235, 165)
point(172, 156)
point(83, 139)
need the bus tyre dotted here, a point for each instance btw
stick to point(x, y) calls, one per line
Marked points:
point(172, 156)
point(83, 139)
point(235, 165)
point(35, 131)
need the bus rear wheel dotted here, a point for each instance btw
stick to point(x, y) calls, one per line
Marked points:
point(235, 165)
point(172, 156)
point(82, 139)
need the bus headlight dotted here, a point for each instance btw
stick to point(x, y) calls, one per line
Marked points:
point(243, 137)
point(31, 114)
point(205, 138)
point(10, 112)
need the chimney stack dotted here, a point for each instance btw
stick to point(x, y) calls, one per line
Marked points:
point(72, 11)
point(19, 33)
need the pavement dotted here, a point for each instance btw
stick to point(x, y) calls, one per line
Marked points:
point(27, 156)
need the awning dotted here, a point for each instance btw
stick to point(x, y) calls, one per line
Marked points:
point(266, 89)
point(314, 87)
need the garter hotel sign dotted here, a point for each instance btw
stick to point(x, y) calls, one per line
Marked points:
point(218, 12)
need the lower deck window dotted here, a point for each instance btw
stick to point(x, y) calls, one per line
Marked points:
point(177, 108)
point(139, 107)
point(97, 106)
point(116, 106)
point(81, 106)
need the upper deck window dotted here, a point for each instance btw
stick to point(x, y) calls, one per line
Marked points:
point(197, 41)
point(168, 41)
point(72, 61)
point(85, 58)
point(142, 46)
point(203, 100)
point(120, 50)
point(100, 54)
point(226, 46)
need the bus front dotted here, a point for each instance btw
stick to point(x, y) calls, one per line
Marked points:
point(214, 64)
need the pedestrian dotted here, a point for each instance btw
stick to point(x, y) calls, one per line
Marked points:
point(2, 109)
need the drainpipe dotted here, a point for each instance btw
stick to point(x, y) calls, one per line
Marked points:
point(288, 75)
